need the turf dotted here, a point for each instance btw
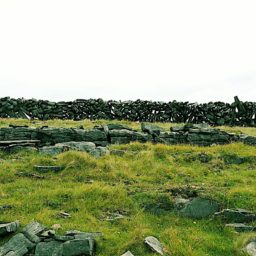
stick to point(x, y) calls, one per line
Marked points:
point(139, 186)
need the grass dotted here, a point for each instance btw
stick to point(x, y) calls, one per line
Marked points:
point(137, 185)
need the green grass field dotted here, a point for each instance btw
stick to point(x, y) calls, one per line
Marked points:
point(136, 185)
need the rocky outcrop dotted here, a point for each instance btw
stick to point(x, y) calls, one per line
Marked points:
point(38, 240)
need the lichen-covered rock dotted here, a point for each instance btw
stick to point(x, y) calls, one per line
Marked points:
point(51, 248)
point(18, 244)
point(9, 228)
point(199, 208)
point(250, 248)
point(127, 136)
point(151, 128)
point(88, 147)
point(128, 253)
point(154, 244)
point(78, 247)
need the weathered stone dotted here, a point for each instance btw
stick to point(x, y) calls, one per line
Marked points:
point(9, 228)
point(154, 244)
point(18, 244)
point(117, 152)
point(151, 128)
point(64, 215)
point(52, 150)
point(199, 208)
point(241, 227)
point(180, 203)
point(81, 234)
point(52, 248)
point(88, 147)
point(236, 215)
point(250, 248)
point(5, 207)
point(127, 136)
point(32, 231)
point(78, 247)
point(118, 127)
point(128, 253)
point(43, 168)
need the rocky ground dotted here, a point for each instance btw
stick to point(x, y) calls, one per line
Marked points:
point(140, 199)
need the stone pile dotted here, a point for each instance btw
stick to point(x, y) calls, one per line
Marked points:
point(214, 113)
point(36, 239)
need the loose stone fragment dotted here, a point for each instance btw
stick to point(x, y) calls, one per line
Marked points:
point(117, 152)
point(29, 175)
point(250, 248)
point(200, 208)
point(241, 227)
point(64, 215)
point(9, 228)
point(236, 215)
point(48, 168)
point(154, 244)
point(128, 253)
point(5, 207)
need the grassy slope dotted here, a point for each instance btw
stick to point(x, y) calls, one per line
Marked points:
point(133, 185)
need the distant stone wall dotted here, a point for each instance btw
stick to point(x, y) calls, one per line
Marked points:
point(213, 113)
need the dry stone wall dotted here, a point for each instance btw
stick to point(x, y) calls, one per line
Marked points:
point(56, 140)
point(213, 113)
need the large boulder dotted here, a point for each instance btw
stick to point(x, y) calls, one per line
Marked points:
point(18, 244)
point(199, 208)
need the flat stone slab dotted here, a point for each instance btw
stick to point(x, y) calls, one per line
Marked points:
point(44, 168)
point(154, 244)
point(236, 215)
point(9, 228)
point(128, 253)
point(241, 227)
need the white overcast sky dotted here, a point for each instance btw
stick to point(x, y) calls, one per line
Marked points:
point(194, 50)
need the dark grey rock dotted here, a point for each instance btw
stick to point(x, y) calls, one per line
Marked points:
point(33, 230)
point(78, 247)
point(44, 168)
point(18, 244)
point(52, 248)
point(151, 128)
point(236, 215)
point(241, 227)
point(9, 228)
point(199, 208)
point(117, 152)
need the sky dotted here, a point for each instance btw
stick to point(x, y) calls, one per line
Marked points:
point(197, 51)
